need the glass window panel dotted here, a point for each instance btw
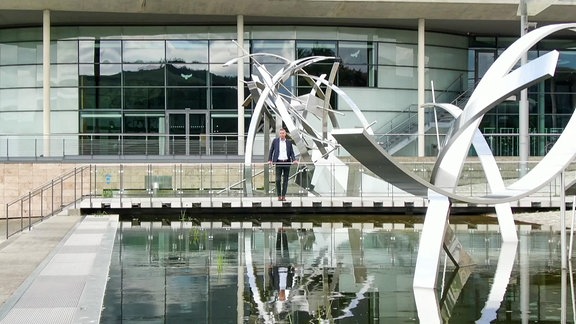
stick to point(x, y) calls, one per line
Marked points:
point(100, 74)
point(356, 52)
point(142, 123)
point(180, 51)
point(64, 52)
point(353, 76)
point(397, 54)
point(222, 51)
point(101, 122)
point(313, 48)
point(281, 48)
point(29, 122)
point(397, 77)
point(64, 75)
point(227, 122)
point(20, 76)
point(224, 98)
point(223, 75)
point(182, 98)
point(21, 53)
point(140, 51)
point(316, 70)
point(306, 32)
point(272, 32)
point(64, 122)
point(100, 98)
point(186, 74)
point(64, 99)
point(100, 51)
point(557, 44)
point(19, 34)
point(566, 63)
point(444, 57)
point(143, 74)
point(144, 98)
point(21, 99)
point(446, 40)
point(446, 81)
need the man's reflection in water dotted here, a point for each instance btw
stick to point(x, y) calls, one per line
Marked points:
point(282, 271)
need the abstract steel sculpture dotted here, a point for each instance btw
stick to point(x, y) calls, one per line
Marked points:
point(499, 82)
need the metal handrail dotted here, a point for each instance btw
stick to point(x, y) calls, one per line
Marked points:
point(51, 193)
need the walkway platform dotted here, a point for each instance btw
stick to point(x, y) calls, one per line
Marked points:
point(57, 272)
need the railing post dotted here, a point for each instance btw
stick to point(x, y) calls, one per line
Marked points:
point(42, 203)
point(75, 187)
point(52, 198)
point(7, 221)
point(29, 210)
point(21, 214)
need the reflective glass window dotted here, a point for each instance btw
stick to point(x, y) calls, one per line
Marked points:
point(397, 54)
point(21, 99)
point(64, 99)
point(100, 122)
point(315, 48)
point(186, 51)
point(356, 52)
point(142, 123)
point(182, 98)
point(144, 98)
point(16, 76)
point(446, 57)
point(143, 51)
point(100, 75)
point(223, 75)
point(186, 74)
point(21, 53)
point(281, 48)
point(222, 51)
point(64, 51)
point(64, 75)
point(100, 98)
point(100, 51)
point(143, 74)
point(224, 98)
point(22, 122)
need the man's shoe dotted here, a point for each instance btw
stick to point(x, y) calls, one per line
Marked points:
point(283, 198)
point(279, 198)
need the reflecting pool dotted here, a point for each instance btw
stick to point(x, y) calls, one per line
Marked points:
point(182, 273)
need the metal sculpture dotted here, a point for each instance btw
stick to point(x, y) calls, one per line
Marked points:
point(499, 82)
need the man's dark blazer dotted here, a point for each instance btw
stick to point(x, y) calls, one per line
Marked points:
point(275, 150)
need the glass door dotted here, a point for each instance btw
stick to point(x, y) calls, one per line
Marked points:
point(187, 133)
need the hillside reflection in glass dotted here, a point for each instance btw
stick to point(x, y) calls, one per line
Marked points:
point(361, 274)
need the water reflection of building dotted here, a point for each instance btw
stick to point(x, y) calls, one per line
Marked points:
point(184, 273)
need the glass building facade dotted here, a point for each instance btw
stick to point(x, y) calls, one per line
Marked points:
point(165, 90)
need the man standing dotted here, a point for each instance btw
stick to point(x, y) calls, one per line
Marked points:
point(282, 156)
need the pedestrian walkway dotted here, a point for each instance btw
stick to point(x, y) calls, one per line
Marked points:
point(57, 272)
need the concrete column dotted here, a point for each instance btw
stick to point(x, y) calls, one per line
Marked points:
point(421, 86)
point(46, 81)
point(240, 84)
point(523, 109)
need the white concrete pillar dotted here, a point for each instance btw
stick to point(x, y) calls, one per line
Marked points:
point(46, 81)
point(523, 108)
point(421, 85)
point(240, 84)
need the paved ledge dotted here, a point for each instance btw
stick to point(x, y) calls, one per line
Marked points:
point(58, 272)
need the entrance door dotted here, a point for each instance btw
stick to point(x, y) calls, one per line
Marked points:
point(187, 132)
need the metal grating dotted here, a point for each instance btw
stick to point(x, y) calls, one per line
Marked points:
point(53, 291)
point(40, 315)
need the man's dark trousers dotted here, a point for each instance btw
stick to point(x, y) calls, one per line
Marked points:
point(282, 171)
